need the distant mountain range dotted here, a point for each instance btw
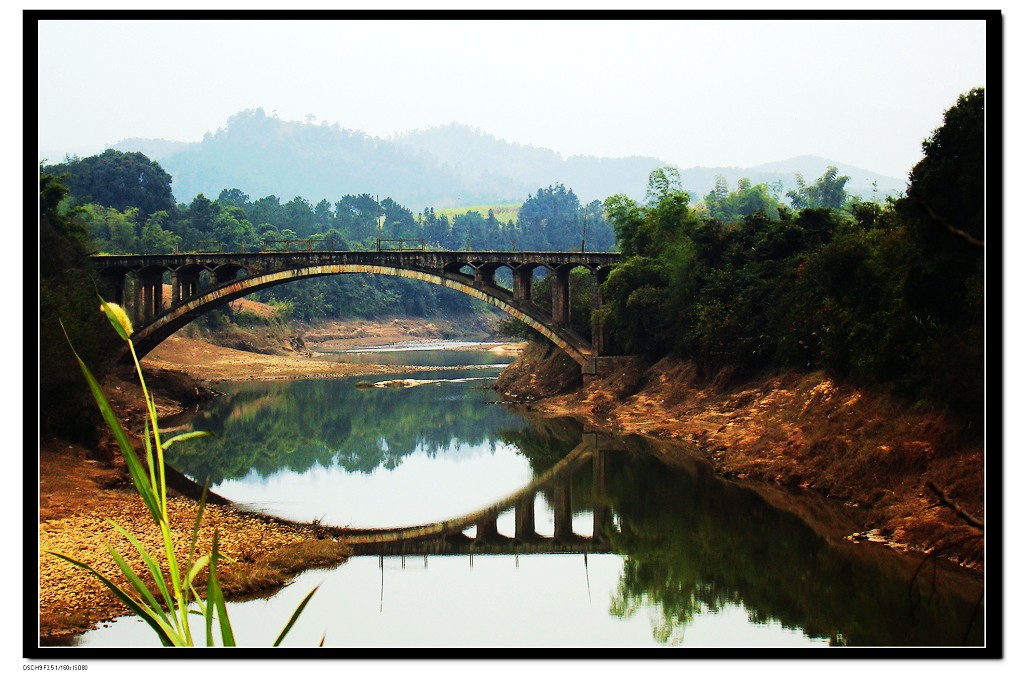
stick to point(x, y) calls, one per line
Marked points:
point(449, 166)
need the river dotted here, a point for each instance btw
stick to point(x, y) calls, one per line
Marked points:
point(573, 539)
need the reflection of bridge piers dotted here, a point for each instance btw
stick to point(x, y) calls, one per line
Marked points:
point(448, 537)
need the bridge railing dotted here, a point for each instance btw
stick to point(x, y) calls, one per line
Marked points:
point(399, 244)
point(331, 244)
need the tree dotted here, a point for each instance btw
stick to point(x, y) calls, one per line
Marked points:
point(155, 239)
point(233, 197)
point(829, 191)
point(551, 220)
point(356, 216)
point(297, 214)
point(118, 180)
point(950, 179)
point(201, 214)
point(233, 230)
point(731, 207)
point(323, 215)
point(627, 218)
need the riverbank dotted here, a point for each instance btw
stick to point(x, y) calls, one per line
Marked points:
point(265, 354)
point(78, 495)
point(82, 486)
point(878, 457)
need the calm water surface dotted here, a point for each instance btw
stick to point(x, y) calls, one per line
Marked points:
point(666, 554)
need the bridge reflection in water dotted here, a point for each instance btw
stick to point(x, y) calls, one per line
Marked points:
point(448, 537)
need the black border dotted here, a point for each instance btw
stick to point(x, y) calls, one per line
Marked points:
point(994, 612)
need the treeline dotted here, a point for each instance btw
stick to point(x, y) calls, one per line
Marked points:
point(124, 202)
point(887, 293)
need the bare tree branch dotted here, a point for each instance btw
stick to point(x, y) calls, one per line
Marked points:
point(952, 505)
point(942, 223)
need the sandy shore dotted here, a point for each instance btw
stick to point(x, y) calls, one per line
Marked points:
point(208, 362)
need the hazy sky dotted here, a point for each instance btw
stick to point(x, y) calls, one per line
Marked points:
point(713, 93)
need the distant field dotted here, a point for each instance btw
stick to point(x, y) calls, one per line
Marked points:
point(503, 213)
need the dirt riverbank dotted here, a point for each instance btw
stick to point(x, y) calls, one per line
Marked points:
point(868, 451)
point(83, 486)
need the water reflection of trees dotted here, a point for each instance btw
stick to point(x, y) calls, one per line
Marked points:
point(299, 425)
point(694, 544)
point(691, 542)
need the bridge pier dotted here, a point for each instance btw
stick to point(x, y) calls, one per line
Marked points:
point(487, 530)
point(522, 283)
point(526, 522)
point(560, 310)
point(483, 276)
point(602, 512)
point(184, 284)
point(149, 292)
point(562, 505)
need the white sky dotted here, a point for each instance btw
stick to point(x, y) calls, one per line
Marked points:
point(713, 93)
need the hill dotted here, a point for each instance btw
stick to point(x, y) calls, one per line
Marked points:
point(448, 166)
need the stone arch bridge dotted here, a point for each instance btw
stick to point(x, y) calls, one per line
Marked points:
point(202, 281)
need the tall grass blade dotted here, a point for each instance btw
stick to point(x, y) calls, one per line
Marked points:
point(140, 588)
point(197, 567)
point(150, 461)
point(166, 637)
point(150, 561)
point(215, 596)
point(127, 451)
point(175, 577)
point(199, 520)
point(295, 616)
point(195, 538)
point(186, 436)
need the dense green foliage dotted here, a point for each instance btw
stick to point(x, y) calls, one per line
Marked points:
point(877, 293)
point(118, 180)
point(730, 207)
point(940, 183)
point(66, 295)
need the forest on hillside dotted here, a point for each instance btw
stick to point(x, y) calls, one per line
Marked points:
point(886, 291)
point(890, 293)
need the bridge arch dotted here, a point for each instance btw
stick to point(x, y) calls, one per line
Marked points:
point(153, 333)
